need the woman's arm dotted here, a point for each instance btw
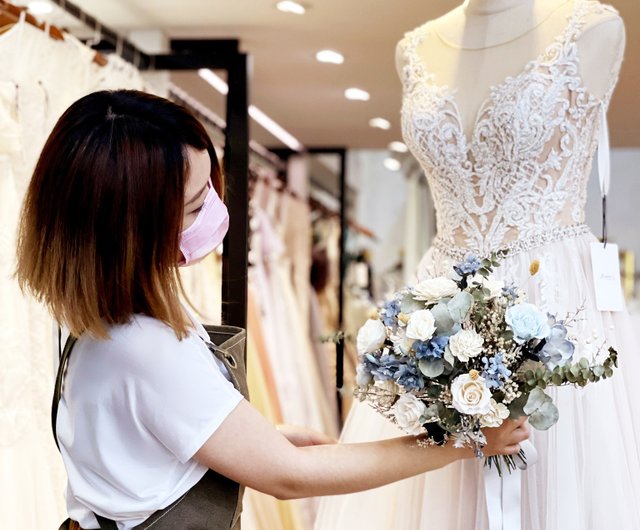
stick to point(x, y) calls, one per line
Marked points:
point(248, 449)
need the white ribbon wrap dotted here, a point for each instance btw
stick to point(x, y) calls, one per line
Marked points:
point(504, 494)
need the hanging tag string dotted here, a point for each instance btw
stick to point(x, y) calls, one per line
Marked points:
point(604, 166)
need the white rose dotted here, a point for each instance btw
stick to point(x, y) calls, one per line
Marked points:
point(471, 394)
point(466, 344)
point(371, 337)
point(421, 325)
point(409, 413)
point(435, 289)
point(494, 286)
point(402, 344)
point(496, 416)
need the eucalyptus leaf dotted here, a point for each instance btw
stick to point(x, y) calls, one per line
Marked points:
point(409, 305)
point(516, 408)
point(448, 356)
point(443, 319)
point(460, 305)
point(542, 412)
point(431, 413)
point(431, 368)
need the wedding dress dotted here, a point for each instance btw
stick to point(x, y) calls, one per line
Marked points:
point(519, 182)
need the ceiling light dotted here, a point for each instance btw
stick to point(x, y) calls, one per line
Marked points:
point(392, 164)
point(356, 94)
point(265, 121)
point(214, 80)
point(398, 147)
point(380, 123)
point(329, 56)
point(285, 137)
point(287, 6)
point(40, 8)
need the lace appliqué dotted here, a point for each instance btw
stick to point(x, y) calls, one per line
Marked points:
point(524, 170)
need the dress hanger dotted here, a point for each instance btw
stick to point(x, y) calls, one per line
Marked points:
point(10, 15)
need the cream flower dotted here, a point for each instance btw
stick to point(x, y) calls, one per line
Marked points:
point(466, 344)
point(371, 337)
point(435, 289)
point(496, 416)
point(421, 325)
point(471, 394)
point(494, 286)
point(409, 413)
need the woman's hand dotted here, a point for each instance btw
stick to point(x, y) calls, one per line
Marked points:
point(506, 439)
point(303, 437)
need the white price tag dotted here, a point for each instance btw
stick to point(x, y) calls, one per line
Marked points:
point(606, 276)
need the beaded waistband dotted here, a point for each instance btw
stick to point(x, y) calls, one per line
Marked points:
point(517, 246)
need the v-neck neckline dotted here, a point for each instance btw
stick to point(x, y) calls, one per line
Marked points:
point(420, 69)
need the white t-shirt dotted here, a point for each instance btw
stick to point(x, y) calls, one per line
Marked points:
point(134, 411)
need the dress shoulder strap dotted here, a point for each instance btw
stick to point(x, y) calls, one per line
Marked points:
point(413, 70)
point(583, 9)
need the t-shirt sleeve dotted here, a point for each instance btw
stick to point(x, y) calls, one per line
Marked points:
point(183, 397)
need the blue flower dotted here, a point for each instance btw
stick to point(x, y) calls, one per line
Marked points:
point(432, 349)
point(510, 291)
point(557, 350)
point(409, 377)
point(469, 266)
point(383, 368)
point(390, 312)
point(495, 372)
point(527, 322)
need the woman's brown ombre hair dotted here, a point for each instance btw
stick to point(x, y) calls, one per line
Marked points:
point(100, 229)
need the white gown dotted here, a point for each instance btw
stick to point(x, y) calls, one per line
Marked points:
point(520, 183)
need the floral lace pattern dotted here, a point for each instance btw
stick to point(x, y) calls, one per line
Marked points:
point(524, 170)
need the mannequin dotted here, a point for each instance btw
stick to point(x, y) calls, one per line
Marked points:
point(480, 43)
point(502, 107)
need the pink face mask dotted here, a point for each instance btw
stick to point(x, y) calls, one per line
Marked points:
point(207, 231)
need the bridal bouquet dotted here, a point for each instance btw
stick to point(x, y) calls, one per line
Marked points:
point(451, 356)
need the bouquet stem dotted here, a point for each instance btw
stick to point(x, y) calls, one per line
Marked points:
point(508, 461)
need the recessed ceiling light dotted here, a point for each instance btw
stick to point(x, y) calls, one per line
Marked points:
point(40, 8)
point(380, 123)
point(330, 56)
point(392, 164)
point(398, 147)
point(356, 94)
point(287, 6)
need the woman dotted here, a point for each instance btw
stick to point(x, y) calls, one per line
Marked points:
point(127, 189)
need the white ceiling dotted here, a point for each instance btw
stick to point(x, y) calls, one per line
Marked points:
point(306, 97)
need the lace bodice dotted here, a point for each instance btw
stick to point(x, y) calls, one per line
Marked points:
point(523, 172)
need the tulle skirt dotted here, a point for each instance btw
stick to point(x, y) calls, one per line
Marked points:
point(588, 472)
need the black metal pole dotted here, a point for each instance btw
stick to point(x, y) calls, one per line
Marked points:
point(343, 270)
point(235, 261)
